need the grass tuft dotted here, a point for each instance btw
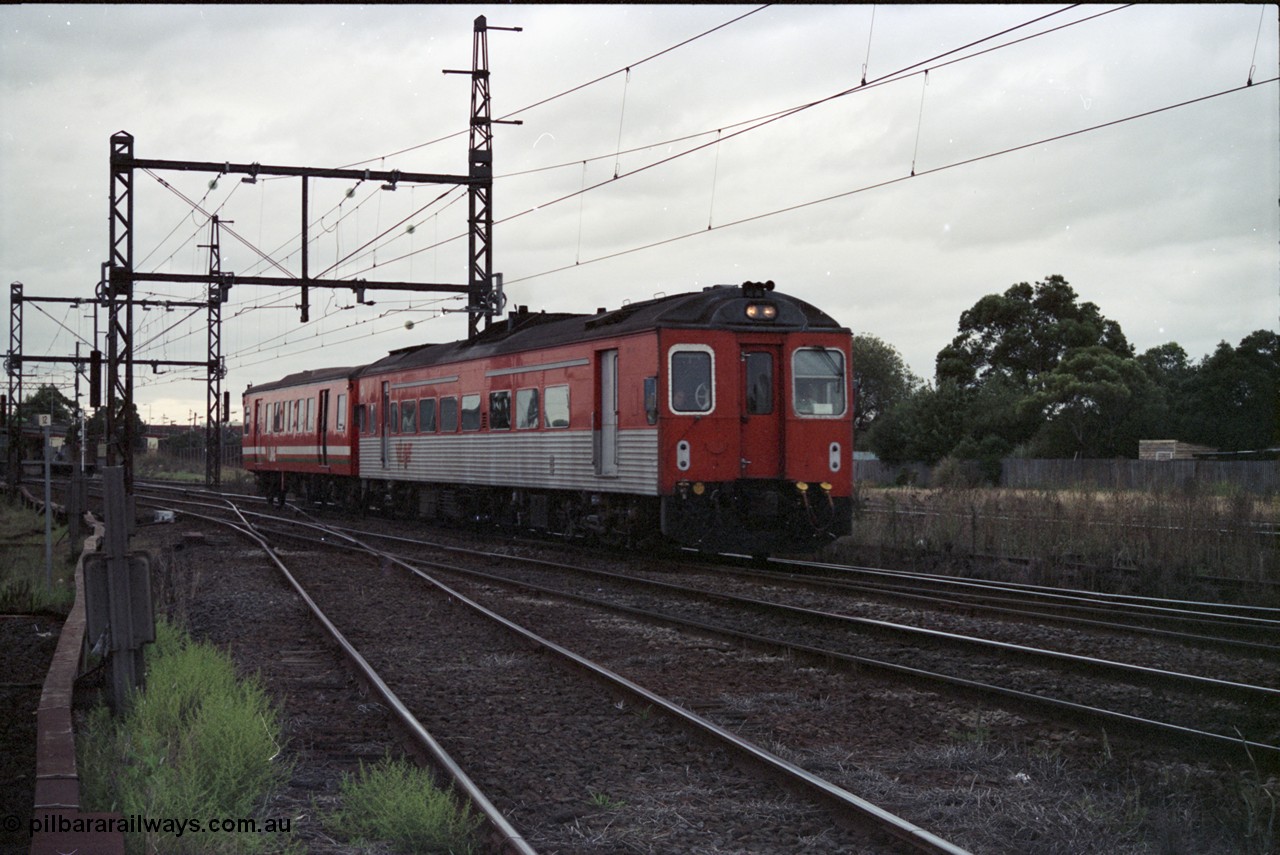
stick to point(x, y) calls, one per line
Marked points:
point(196, 743)
point(397, 802)
point(23, 588)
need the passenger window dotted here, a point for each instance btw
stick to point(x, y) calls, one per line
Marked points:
point(393, 418)
point(340, 414)
point(371, 422)
point(427, 415)
point(759, 377)
point(555, 407)
point(448, 415)
point(692, 390)
point(499, 411)
point(408, 416)
point(527, 408)
point(818, 376)
point(310, 416)
point(471, 412)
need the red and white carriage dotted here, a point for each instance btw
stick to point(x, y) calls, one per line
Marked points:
point(722, 419)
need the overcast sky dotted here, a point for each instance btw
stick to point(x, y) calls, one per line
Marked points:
point(1169, 222)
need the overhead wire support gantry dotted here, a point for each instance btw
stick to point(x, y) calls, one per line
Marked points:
point(484, 300)
point(484, 296)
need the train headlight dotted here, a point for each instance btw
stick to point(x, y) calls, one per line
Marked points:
point(761, 311)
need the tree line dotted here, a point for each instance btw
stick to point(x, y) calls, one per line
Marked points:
point(1034, 372)
point(49, 399)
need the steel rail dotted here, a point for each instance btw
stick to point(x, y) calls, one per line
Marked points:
point(1070, 614)
point(1173, 679)
point(1219, 744)
point(511, 840)
point(831, 794)
point(1265, 616)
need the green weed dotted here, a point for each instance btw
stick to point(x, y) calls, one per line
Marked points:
point(397, 802)
point(197, 742)
point(23, 585)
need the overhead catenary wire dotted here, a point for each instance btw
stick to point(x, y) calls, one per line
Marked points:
point(616, 153)
point(1253, 62)
point(870, 29)
point(900, 179)
point(924, 87)
point(901, 74)
point(621, 116)
point(772, 117)
point(571, 90)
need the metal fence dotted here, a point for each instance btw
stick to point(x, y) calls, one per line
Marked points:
point(194, 457)
point(1262, 477)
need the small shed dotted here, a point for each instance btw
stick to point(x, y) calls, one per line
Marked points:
point(1170, 449)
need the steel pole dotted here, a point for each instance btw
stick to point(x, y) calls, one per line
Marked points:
point(48, 509)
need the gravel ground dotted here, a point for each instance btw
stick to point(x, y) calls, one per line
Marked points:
point(987, 779)
point(28, 644)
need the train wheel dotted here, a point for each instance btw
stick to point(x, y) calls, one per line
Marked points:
point(567, 521)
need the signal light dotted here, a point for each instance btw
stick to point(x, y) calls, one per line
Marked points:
point(95, 379)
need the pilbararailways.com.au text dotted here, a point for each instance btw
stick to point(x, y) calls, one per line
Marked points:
point(54, 823)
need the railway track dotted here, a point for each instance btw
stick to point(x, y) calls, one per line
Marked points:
point(535, 715)
point(852, 726)
point(1215, 714)
point(1207, 714)
point(1242, 627)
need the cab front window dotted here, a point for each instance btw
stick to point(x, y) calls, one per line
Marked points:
point(691, 370)
point(818, 382)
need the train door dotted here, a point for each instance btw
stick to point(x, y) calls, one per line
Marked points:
point(385, 425)
point(322, 426)
point(606, 439)
point(256, 441)
point(761, 449)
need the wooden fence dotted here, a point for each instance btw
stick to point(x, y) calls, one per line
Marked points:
point(1261, 477)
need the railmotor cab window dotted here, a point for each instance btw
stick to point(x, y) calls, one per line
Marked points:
point(691, 368)
point(818, 379)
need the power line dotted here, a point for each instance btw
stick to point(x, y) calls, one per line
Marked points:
point(570, 91)
point(769, 118)
point(898, 180)
point(893, 77)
